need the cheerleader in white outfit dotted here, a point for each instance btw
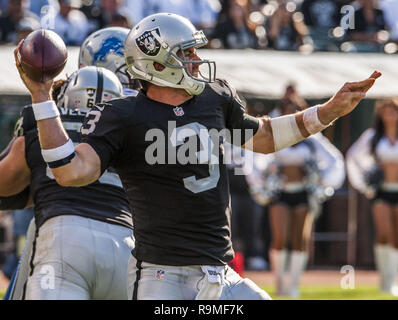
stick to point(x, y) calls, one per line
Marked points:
point(372, 168)
point(294, 182)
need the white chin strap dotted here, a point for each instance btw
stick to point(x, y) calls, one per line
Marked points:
point(188, 84)
point(191, 86)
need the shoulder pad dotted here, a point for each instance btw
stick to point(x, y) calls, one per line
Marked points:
point(223, 88)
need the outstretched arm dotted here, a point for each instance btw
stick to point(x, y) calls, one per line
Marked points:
point(70, 166)
point(281, 132)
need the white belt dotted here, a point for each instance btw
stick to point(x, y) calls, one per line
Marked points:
point(212, 284)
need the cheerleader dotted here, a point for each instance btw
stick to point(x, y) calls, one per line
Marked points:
point(294, 182)
point(372, 168)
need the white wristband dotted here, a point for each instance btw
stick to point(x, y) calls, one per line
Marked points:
point(311, 120)
point(45, 110)
point(60, 153)
point(285, 131)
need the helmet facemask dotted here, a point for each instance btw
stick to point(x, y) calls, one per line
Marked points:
point(124, 76)
point(172, 60)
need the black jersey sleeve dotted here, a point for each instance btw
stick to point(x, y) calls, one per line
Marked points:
point(25, 122)
point(15, 202)
point(238, 119)
point(103, 130)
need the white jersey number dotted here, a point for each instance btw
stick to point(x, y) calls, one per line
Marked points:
point(205, 156)
point(92, 122)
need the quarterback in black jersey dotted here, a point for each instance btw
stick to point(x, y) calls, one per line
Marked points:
point(83, 236)
point(179, 192)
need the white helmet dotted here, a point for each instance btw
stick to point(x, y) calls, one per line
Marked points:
point(105, 48)
point(88, 86)
point(158, 38)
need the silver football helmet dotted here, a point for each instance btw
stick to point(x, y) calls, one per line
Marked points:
point(88, 86)
point(105, 48)
point(158, 38)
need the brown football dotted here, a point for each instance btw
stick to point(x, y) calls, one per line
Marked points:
point(43, 55)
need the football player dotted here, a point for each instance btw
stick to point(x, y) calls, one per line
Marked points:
point(105, 48)
point(80, 243)
point(181, 208)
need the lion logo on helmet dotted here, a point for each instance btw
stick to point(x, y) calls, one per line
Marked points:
point(110, 45)
point(147, 43)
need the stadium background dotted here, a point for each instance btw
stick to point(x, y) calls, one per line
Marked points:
point(343, 234)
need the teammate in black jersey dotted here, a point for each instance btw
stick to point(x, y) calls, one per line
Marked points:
point(83, 235)
point(179, 192)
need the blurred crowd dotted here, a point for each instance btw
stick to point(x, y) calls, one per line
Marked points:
point(300, 25)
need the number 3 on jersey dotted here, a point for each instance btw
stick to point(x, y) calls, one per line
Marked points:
point(177, 138)
point(93, 121)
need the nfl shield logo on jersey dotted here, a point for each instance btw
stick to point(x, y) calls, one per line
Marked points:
point(159, 274)
point(178, 111)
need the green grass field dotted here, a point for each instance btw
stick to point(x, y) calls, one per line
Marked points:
point(336, 293)
point(329, 293)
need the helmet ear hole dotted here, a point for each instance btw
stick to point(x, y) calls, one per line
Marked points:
point(158, 66)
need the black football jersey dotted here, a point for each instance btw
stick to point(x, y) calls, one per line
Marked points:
point(103, 200)
point(181, 210)
point(15, 202)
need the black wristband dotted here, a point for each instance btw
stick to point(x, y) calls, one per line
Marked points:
point(62, 162)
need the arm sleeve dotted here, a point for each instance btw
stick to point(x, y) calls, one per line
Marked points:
point(359, 161)
point(15, 202)
point(237, 120)
point(330, 162)
point(103, 130)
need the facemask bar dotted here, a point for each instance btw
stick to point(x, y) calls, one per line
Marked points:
point(62, 100)
point(172, 60)
point(123, 70)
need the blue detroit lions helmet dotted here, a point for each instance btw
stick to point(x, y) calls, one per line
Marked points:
point(105, 48)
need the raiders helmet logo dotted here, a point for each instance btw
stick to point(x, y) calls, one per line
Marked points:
point(90, 92)
point(147, 43)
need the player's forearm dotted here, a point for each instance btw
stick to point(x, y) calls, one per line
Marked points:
point(69, 166)
point(14, 171)
point(84, 168)
point(51, 133)
point(278, 133)
point(10, 186)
